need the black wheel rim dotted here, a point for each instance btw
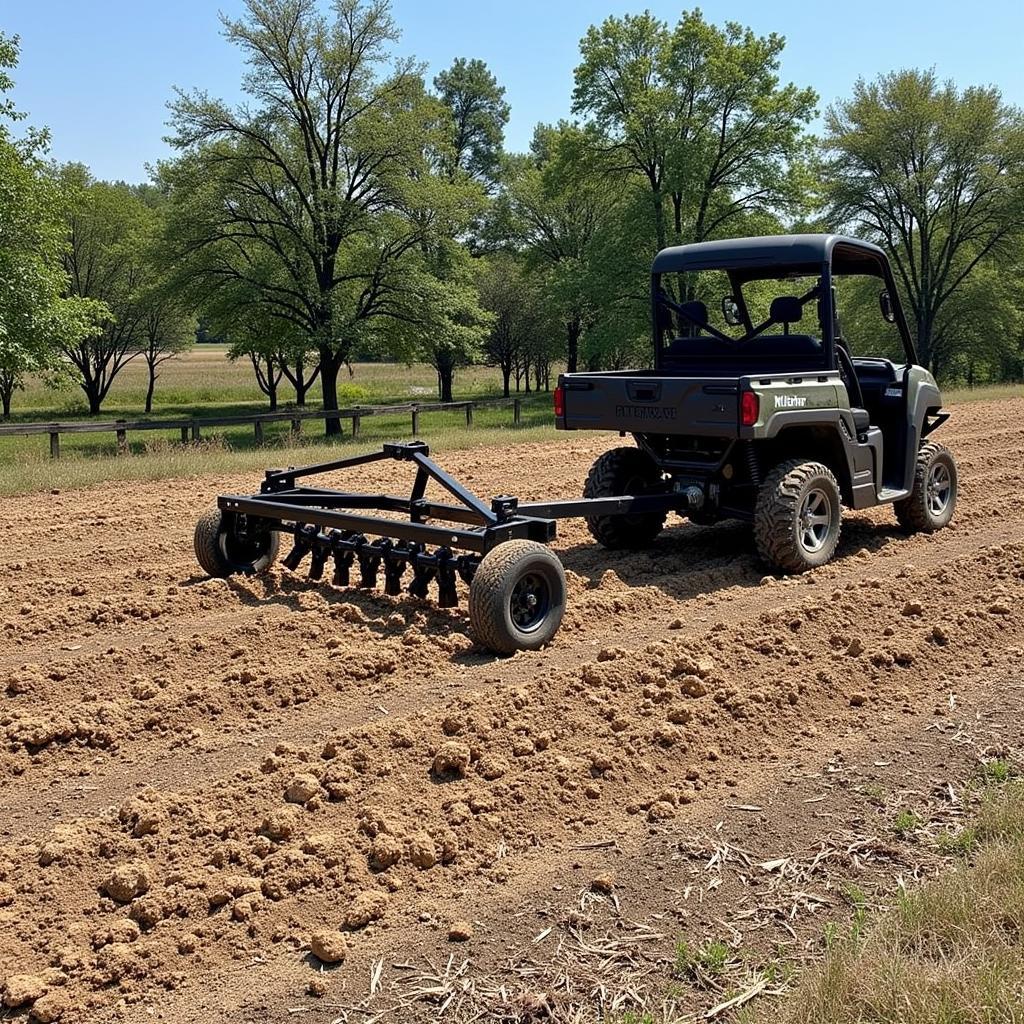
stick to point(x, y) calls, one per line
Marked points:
point(530, 602)
point(243, 553)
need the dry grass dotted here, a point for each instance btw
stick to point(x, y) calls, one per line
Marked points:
point(948, 951)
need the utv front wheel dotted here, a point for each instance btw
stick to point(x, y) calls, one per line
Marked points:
point(517, 597)
point(618, 472)
point(222, 553)
point(798, 516)
point(933, 498)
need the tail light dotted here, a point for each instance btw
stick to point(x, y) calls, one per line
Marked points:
point(750, 408)
point(559, 402)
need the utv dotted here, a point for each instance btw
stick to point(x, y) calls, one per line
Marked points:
point(746, 416)
point(741, 417)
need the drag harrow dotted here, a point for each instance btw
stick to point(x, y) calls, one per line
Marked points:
point(517, 591)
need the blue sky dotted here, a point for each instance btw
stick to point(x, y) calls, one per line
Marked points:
point(99, 73)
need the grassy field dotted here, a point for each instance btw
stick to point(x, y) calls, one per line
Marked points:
point(949, 951)
point(204, 382)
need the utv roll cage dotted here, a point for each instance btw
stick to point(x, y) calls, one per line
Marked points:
point(766, 258)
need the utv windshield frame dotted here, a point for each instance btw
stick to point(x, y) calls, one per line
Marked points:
point(767, 258)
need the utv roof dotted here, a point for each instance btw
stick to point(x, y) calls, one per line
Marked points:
point(769, 251)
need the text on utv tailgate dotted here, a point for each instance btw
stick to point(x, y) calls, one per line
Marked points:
point(680, 405)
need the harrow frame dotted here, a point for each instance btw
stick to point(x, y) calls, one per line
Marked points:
point(374, 532)
point(283, 502)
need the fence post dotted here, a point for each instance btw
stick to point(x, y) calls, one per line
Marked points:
point(296, 426)
point(517, 412)
point(184, 435)
point(122, 439)
point(195, 429)
point(54, 445)
point(415, 420)
point(355, 424)
point(258, 431)
point(469, 414)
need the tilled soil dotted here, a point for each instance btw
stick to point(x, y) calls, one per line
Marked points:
point(202, 779)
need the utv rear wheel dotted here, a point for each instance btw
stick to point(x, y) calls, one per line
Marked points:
point(618, 472)
point(222, 553)
point(933, 498)
point(798, 516)
point(517, 597)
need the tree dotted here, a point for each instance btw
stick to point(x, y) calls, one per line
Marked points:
point(104, 261)
point(317, 196)
point(437, 314)
point(519, 325)
point(34, 317)
point(479, 114)
point(557, 200)
point(300, 366)
point(167, 330)
point(697, 113)
point(934, 174)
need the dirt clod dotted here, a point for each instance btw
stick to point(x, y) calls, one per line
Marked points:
point(452, 758)
point(22, 989)
point(302, 788)
point(328, 946)
point(460, 931)
point(366, 907)
point(127, 881)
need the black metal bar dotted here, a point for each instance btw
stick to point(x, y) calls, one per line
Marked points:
point(302, 497)
point(294, 472)
point(625, 505)
point(474, 540)
point(468, 498)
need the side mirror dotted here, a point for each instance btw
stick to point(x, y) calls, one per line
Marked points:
point(885, 301)
point(731, 311)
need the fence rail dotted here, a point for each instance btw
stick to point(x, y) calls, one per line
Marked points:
point(192, 427)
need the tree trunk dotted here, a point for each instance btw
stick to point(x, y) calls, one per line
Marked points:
point(572, 348)
point(6, 397)
point(506, 376)
point(330, 366)
point(94, 401)
point(445, 376)
point(152, 386)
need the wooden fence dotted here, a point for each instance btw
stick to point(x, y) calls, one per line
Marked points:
point(192, 428)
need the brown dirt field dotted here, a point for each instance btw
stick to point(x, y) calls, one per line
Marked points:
point(201, 778)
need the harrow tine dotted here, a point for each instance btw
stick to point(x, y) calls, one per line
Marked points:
point(419, 585)
point(394, 567)
point(369, 564)
point(342, 568)
point(303, 545)
point(318, 557)
point(447, 596)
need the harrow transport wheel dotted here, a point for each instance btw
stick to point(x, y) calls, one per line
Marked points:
point(933, 498)
point(617, 472)
point(517, 597)
point(221, 553)
point(798, 516)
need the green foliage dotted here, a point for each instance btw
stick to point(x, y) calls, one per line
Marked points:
point(706, 961)
point(698, 114)
point(35, 316)
point(905, 823)
point(479, 115)
point(937, 176)
point(318, 204)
